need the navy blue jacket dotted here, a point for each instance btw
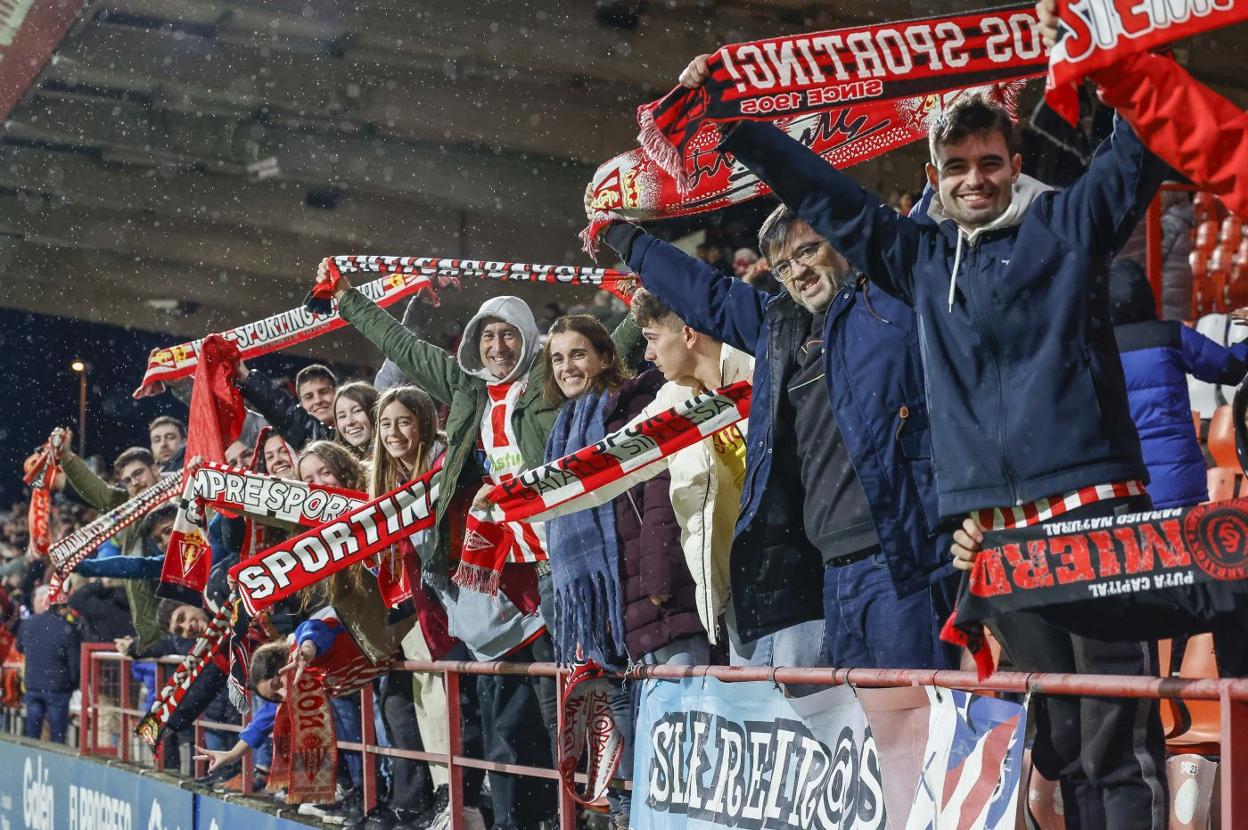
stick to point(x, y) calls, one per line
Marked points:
point(1024, 386)
point(50, 645)
point(875, 388)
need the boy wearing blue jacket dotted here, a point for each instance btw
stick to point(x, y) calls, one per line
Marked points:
point(1025, 391)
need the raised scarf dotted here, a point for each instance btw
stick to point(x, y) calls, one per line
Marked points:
point(1099, 560)
point(67, 553)
point(585, 552)
point(273, 333)
point(402, 277)
point(633, 187)
point(784, 77)
point(40, 476)
point(486, 540)
point(1095, 34)
point(215, 421)
point(257, 496)
point(284, 569)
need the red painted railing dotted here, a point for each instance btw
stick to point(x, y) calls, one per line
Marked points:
point(1232, 695)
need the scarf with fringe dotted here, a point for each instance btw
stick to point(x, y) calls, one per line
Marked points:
point(585, 552)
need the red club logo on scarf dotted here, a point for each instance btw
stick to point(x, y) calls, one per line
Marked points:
point(190, 549)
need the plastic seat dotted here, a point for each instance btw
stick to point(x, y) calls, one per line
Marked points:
point(1202, 735)
point(1226, 483)
point(1222, 438)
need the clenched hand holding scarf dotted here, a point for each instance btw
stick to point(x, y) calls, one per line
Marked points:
point(849, 94)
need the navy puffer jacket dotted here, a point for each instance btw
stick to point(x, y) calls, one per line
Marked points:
point(1157, 356)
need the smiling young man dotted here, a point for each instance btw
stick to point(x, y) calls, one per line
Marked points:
point(835, 557)
point(307, 417)
point(1008, 279)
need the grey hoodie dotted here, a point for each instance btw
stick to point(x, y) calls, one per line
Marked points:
point(512, 310)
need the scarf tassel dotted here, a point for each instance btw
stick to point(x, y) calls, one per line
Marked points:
point(659, 149)
point(586, 619)
point(477, 578)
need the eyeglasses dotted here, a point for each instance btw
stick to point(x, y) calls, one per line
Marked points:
point(785, 270)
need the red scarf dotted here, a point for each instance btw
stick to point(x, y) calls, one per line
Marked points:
point(305, 748)
point(41, 473)
point(216, 420)
point(487, 538)
point(783, 77)
point(285, 569)
point(1097, 34)
point(65, 555)
point(206, 649)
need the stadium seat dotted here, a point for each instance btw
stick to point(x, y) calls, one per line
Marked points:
point(1191, 725)
point(1222, 438)
point(1227, 483)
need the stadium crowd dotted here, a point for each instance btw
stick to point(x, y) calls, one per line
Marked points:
point(924, 371)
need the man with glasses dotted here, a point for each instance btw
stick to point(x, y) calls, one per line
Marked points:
point(838, 488)
point(136, 470)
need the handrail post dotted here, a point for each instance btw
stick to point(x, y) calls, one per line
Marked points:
point(84, 672)
point(567, 806)
point(368, 737)
point(124, 737)
point(455, 748)
point(1234, 762)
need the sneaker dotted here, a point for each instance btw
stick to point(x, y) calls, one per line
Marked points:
point(323, 812)
point(378, 818)
point(351, 806)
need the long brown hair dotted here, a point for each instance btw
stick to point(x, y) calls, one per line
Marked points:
point(352, 475)
point(388, 472)
point(614, 371)
point(341, 462)
point(363, 393)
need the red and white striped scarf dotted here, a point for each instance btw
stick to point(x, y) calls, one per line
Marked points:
point(1095, 34)
point(487, 539)
point(67, 553)
point(401, 276)
point(527, 540)
point(1041, 510)
point(207, 646)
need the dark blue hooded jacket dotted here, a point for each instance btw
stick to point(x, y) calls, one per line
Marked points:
point(1157, 356)
point(1024, 387)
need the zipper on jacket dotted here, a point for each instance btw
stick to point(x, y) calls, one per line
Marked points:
point(971, 289)
point(903, 415)
point(634, 504)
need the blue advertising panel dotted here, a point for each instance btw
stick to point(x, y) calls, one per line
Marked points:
point(46, 790)
point(214, 814)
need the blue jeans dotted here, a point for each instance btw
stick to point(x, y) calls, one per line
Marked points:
point(625, 698)
point(867, 626)
point(800, 645)
point(347, 727)
point(52, 705)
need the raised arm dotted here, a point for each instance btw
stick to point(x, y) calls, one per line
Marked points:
point(280, 409)
point(1100, 210)
point(94, 490)
point(422, 363)
point(716, 305)
point(867, 232)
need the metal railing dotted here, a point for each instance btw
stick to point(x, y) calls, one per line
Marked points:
point(1232, 696)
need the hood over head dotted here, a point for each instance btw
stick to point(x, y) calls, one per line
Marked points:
point(1131, 298)
point(512, 310)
